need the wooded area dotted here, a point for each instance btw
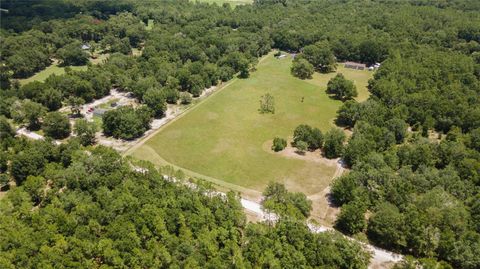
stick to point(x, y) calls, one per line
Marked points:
point(414, 185)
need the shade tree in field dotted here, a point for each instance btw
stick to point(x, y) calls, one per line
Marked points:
point(341, 88)
point(313, 137)
point(302, 69)
point(75, 104)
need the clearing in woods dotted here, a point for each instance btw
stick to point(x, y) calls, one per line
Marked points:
point(232, 2)
point(222, 139)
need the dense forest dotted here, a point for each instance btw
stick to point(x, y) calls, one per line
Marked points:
point(414, 184)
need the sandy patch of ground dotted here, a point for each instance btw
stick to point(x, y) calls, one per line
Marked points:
point(323, 210)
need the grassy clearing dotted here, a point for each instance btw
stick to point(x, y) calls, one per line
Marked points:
point(149, 25)
point(232, 2)
point(223, 136)
point(45, 73)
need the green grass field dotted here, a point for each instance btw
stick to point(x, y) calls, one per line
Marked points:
point(232, 2)
point(224, 137)
point(45, 73)
point(149, 25)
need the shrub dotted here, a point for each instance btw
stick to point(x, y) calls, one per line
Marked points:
point(185, 98)
point(279, 144)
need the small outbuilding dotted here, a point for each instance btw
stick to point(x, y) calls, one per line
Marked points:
point(99, 112)
point(85, 47)
point(354, 65)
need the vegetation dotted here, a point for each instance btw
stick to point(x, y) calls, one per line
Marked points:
point(85, 131)
point(237, 149)
point(126, 122)
point(302, 69)
point(413, 153)
point(279, 144)
point(312, 137)
point(93, 197)
point(286, 204)
point(333, 146)
point(27, 112)
point(320, 56)
point(341, 88)
point(267, 104)
point(56, 125)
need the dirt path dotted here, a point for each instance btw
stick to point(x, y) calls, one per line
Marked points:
point(207, 93)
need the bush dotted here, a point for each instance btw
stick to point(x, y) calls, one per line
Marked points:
point(279, 144)
point(312, 136)
point(301, 146)
point(185, 98)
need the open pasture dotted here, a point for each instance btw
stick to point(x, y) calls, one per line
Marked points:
point(225, 139)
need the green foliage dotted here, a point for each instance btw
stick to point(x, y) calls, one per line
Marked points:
point(155, 100)
point(72, 54)
point(85, 131)
point(387, 226)
point(267, 104)
point(313, 137)
point(29, 162)
point(6, 129)
point(341, 88)
point(279, 144)
point(301, 146)
point(320, 56)
point(126, 122)
point(4, 180)
point(302, 69)
point(27, 112)
point(185, 98)
point(56, 125)
point(334, 140)
point(284, 203)
point(100, 206)
point(75, 104)
point(351, 219)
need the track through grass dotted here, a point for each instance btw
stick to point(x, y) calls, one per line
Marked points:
point(222, 137)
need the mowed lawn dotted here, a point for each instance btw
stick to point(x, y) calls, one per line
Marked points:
point(232, 2)
point(224, 137)
point(52, 69)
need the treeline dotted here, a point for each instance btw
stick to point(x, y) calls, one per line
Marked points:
point(415, 157)
point(89, 207)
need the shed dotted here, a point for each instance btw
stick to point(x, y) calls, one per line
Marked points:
point(354, 65)
point(85, 47)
